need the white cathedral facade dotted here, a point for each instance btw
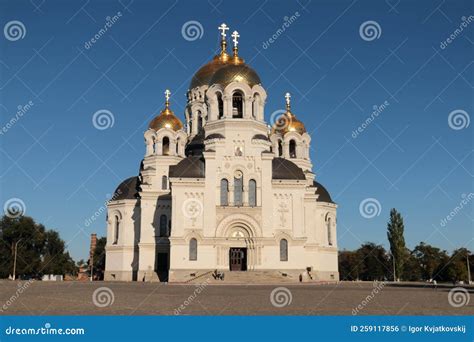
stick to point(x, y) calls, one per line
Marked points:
point(225, 192)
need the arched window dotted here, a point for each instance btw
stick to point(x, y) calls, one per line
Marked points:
point(220, 105)
point(163, 225)
point(164, 183)
point(199, 122)
point(329, 231)
point(166, 146)
point(190, 126)
point(193, 249)
point(252, 193)
point(177, 146)
point(237, 105)
point(224, 192)
point(238, 189)
point(116, 229)
point(292, 149)
point(283, 250)
point(280, 148)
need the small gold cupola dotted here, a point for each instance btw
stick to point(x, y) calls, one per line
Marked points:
point(288, 122)
point(166, 119)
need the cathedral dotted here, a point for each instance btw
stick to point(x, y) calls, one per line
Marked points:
point(225, 193)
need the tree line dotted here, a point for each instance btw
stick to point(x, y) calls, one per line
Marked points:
point(422, 263)
point(38, 250)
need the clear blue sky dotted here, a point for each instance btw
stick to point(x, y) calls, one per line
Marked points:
point(63, 168)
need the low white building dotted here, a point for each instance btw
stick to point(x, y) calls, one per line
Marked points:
point(226, 192)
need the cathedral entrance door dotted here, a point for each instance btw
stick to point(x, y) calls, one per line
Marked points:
point(238, 259)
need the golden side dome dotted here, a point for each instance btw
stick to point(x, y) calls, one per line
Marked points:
point(166, 119)
point(236, 73)
point(287, 122)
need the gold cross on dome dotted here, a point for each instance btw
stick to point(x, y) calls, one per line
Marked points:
point(287, 97)
point(235, 35)
point(223, 28)
point(167, 95)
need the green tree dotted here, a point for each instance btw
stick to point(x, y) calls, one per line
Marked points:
point(350, 265)
point(55, 259)
point(398, 250)
point(29, 238)
point(411, 268)
point(372, 261)
point(39, 251)
point(457, 265)
point(431, 261)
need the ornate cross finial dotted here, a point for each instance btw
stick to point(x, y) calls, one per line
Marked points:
point(235, 35)
point(167, 97)
point(223, 28)
point(288, 100)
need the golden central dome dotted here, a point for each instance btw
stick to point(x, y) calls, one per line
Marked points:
point(236, 73)
point(166, 119)
point(204, 74)
point(224, 69)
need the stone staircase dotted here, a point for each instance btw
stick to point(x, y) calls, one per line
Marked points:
point(246, 277)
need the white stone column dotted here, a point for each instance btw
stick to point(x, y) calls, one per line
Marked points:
point(247, 107)
point(195, 124)
point(149, 147)
point(286, 149)
point(227, 100)
point(245, 195)
point(231, 193)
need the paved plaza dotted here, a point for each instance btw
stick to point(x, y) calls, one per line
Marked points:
point(119, 298)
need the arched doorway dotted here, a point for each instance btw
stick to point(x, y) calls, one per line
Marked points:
point(240, 249)
point(241, 242)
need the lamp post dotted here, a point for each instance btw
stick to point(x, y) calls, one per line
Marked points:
point(14, 258)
